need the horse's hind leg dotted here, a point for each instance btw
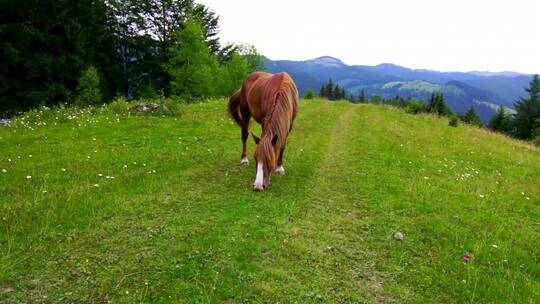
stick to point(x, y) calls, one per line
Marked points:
point(245, 135)
point(246, 116)
point(279, 169)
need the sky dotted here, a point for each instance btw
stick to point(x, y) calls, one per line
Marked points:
point(457, 35)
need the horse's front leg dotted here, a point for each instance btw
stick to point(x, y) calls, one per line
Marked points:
point(279, 169)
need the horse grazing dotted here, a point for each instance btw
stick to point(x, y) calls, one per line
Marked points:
point(272, 100)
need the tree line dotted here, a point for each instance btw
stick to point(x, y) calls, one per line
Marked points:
point(524, 124)
point(87, 51)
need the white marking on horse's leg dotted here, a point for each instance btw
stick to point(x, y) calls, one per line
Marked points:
point(280, 170)
point(259, 180)
point(245, 161)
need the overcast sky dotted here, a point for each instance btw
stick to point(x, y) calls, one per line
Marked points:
point(457, 35)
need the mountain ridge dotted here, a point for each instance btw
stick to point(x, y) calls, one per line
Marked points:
point(482, 90)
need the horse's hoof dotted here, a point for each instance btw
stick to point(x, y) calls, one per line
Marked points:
point(258, 187)
point(244, 162)
point(280, 170)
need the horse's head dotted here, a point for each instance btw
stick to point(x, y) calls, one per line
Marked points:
point(265, 158)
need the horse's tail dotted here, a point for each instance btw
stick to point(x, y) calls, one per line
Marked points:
point(234, 107)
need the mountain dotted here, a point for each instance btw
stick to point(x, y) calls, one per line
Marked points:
point(484, 91)
point(509, 88)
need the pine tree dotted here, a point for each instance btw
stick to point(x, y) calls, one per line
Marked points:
point(432, 105)
point(528, 110)
point(437, 105)
point(192, 68)
point(500, 122)
point(88, 92)
point(322, 91)
point(472, 118)
point(337, 92)
point(362, 96)
point(330, 89)
point(536, 131)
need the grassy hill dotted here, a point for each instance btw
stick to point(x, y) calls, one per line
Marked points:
point(98, 208)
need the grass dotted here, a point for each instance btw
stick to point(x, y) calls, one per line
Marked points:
point(148, 209)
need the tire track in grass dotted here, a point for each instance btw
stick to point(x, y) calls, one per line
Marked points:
point(214, 250)
point(324, 256)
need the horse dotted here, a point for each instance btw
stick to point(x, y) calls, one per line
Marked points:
point(272, 100)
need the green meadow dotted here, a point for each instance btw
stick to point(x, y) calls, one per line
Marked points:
point(97, 207)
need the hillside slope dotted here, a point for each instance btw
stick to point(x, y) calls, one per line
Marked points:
point(180, 223)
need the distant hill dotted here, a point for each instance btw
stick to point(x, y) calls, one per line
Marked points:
point(484, 91)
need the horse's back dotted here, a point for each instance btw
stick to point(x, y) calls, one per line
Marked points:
point(283, 83)
point(260, 88)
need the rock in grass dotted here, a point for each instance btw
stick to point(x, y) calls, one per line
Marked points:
point(398, 236)
point(147, 107)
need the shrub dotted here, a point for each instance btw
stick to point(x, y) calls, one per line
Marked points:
point(376, 99)
point(454, 121)
point(88, 92)
point(472, 118)
point(170, 107)
point(309, 95)
point(415, 107)
point(119, 105)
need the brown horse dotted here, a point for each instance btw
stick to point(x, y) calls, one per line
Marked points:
point(272, 100)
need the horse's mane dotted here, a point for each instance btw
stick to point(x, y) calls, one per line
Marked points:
point(281, 97)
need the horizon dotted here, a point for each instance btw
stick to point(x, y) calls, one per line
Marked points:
point(461, 36)
point(402, 66)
